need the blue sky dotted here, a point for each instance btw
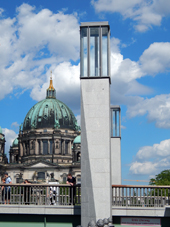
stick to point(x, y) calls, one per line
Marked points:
point(39, 36)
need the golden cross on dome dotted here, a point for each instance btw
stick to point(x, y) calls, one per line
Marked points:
point(51, 75)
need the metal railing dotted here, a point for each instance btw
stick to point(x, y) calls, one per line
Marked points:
point(140, 196)
point(63, 194)
point(40, 194)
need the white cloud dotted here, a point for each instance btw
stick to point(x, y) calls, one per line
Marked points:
point(78, 117)
point(142, 168)
point(31, 36)
point(156, 151)
point(10, 136)
point(156, 58)
point(124, 73)
point(152, 159)
point(32, 43)
point(66, 80)
point(157, 109)
point(144, 13)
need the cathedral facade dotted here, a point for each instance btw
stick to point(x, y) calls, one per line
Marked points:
point(48, 143)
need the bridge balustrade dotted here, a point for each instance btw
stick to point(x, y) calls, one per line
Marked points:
point(40, 194)
point(140, 196)
point(63, 194)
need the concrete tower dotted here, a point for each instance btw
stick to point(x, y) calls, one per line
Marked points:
point(95, 122)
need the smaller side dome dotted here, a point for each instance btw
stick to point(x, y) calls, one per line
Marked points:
point(0, 130)
point(77, 139)
point(15, 143)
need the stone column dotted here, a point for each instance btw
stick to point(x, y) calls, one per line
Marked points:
point(63, 147)
point(36, 147)
point(60, 146)
point(48, 147)
point(24, 149)
point(30, 147)
point(20, 149)
point(69, 147)
point(41, 144)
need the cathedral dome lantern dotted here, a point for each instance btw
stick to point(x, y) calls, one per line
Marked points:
point(51, 92)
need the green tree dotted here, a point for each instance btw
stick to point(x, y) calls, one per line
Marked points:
point(162, 178)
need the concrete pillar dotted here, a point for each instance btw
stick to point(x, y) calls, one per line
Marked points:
point(95, 150)
point(116, 160)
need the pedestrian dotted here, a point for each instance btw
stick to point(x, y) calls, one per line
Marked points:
point(72, 182)
point(7, 188)
point(3, 189)
point(27, 192)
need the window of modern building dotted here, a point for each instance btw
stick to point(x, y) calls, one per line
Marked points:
point(94, 49)
point(115, 121)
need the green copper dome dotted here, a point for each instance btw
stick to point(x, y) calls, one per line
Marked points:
point(77, 139)
point(15, 143)
point(50, 113)
point(0, 130)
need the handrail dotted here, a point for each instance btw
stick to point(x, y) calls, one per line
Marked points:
point(140, 195)
point(40, 194)
point(64, 194)
point(139, 186)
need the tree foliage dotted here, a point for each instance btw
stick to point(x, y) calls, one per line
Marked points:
point(162, 178)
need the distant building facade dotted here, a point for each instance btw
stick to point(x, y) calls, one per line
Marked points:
point(47, 146)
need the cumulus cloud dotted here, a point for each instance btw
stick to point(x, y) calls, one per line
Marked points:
point(152, 159)
point(124, 73)
point(156, 58)
point(156, 108)
point(66, 80)
point(144, 13)
point(32, 41)
point(78, 117)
